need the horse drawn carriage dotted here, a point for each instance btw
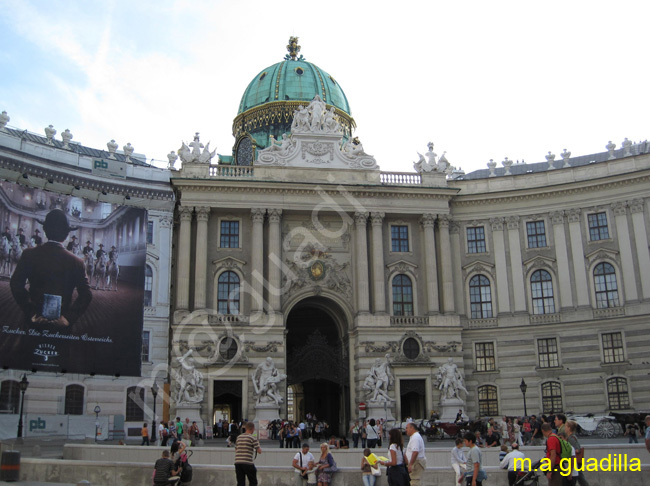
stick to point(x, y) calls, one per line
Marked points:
point(604, 426)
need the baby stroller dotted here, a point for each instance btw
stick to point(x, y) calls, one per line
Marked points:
point(529, 478)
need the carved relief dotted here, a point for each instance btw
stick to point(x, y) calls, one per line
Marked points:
point(316, 269)
point(478, 267)
point(402, 266)
point(370, 347)
point(270, 347)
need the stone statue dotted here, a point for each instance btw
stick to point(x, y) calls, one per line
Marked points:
point(422, 165)
point(112, 147)
point(172, 157)
point(128, 151)
point(4, 119)
point(353, 148)
point(195, 155)
point(50, 131)
point(449, 381)
point(66, 136)
point(190, 388)
point(317, 109)
point(300, 120)
point(265, 382)
point(378, 380)
point(281, 146)
point(330, 125)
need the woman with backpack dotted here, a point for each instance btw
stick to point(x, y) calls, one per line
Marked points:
point(397, 473)
point(180, 459)
point(372, 434)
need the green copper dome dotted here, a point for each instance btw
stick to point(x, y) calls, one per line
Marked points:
point(291, 80)
point(272, 97)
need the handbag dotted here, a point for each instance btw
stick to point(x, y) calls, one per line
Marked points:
point(332, 467)
point(376, 471)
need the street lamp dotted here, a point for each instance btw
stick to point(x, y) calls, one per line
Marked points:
point(97, 410)
point(154, 392)
point(23, 386)
point(523, 387)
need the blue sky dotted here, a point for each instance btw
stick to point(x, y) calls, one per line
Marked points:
point(481, 80)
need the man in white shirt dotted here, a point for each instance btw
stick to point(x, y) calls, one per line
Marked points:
point(511, 460)
point(417, 461)
point(161, 432)
point(458, 460)
point(303, 462)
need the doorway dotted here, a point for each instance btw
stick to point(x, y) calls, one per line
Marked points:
point(412, 399)
point(227, 400)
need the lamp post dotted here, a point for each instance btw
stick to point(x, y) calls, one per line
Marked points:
point(23, 387)
point(523, 387)
point(97, 410)
point(154, 392)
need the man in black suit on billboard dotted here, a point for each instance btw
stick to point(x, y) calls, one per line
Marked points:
point(53, 275)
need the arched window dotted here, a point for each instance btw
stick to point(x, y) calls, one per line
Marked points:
point(488, 404)
point(134, 404)
point(402, 296)
point(9, 396)
point(551, 397)
point(228, 293)
point(541, 288)
point(617, 394)
point(74, 400)
point(148, 286)
point(480, 297)
point(411, 348)
point(606, 286)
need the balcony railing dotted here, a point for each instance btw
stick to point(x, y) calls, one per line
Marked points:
point(231, 171)
point(405, 178)
point(409, 321)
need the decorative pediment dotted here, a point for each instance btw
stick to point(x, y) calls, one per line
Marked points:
point(317, 269)
point(422, 357)
point(540, 262)
point(228, 263)
point(602, 254)
point(478, 267)
point(402, 266)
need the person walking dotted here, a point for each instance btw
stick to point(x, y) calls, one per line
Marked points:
point(458, 460)
point(475, 473)
point(145, 434)
point(372, 434)
point(417, 462)
point(553, 454)
point(364, 434)
point(570, 429)
point(245, 445)
point(396, 473)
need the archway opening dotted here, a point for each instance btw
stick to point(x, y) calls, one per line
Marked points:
point(317, 363)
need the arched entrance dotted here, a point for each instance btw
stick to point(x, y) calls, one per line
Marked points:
point(317, 362)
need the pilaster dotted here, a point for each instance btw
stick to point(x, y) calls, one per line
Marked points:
point(516, 268)
point(428, 221)
point(360, 221)
point(257, 260)
point(184, 251)
point(641, 239)
point(625, 246)
point(275, 255)
point(578, 255)
point(378, 281)
point(565, 298)
point(503, 294)
point(447, 275)
point(201, 256)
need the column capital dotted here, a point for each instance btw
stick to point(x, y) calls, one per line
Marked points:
point(557, 217)
point(636, 205)
point(257, 215)
point(573, 215)
point(428, 220)
point(619, 208)
point(275, 215)
point(202, 213)
point(444, 220)
point(186, 213)
point(377, 218)
point(497, 224)
point(361, 219)
point(165, 222)
point(513, 222)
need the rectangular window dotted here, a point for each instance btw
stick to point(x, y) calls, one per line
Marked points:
point(150, 232)
point(547, 353)
point(613, 348)
point(399, 238)
point(488, 402)
point(476, 239)
point(536, 234)
point(598, 226)
point(229, 234)
point(146, 336)
point(485, 357)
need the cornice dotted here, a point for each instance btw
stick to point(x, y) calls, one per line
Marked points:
point(566, 189)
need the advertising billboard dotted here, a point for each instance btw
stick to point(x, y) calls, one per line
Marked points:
point(71, 283)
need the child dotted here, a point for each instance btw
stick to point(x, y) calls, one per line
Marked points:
point(458, 460)
point(504, 451)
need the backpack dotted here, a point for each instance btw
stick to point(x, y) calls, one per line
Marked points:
point(565, 446)
point(165, 432)
point(186, 473)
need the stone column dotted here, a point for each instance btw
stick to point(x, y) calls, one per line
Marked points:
point(456, 252)
point(360, 220)
point(516, 269)
point(445, 256)
point(578, 256)
point(165, 239)
point(428, 221)
point(201, 257)
point(503, 293)
point(275, 256)
point(378, 282)
point(565, 299)
point(625, 246)
point(257, 260)
point(184, 251)
point(641, 240)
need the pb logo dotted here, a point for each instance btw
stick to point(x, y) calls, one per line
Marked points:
point(100, 164)
point(36, 424)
